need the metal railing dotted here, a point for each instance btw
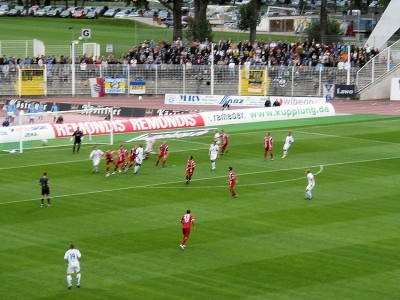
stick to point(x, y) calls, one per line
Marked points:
point(378, 66)
point(163, 79)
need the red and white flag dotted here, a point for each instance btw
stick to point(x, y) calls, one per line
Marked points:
point(96, 87)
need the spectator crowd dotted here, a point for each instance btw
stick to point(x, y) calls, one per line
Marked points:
point(226, 52)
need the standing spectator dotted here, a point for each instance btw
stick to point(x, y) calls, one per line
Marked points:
point(72, 257)
point(310, 185)
point(232, 182)
point(54, 110)
point(268, 143)
point(44, 183)
point(96, 155)
point(77, 136)
point(213, 154)
point(40, 111)
point(11, 111)
point(187, 221)
point(190, 166)
point(32, 112)
point(288, 142)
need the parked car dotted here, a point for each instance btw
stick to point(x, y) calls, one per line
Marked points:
point(150, 13)
point(92, 15)
point(79, 14)
point(68, 12)
point(136, 13)
point(164, 14)
point(100, 10)
point(111, 12)
point(4, 11)
point(42, 12)
point(170, 22)
point(123, 13)
point(55, 12)
point(16, 11)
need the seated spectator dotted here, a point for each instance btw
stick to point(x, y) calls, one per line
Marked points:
point(60, 119)
point(6, 123)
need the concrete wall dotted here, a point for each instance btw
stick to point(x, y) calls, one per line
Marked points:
point(380, 89)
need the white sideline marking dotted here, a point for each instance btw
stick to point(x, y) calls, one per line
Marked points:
point(348, 138)
point(157, 185)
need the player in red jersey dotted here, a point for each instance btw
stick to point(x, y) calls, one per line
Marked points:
point(122, 155)
point(190, 166)
point(187, 221)
point(132, 158)
point(225, 142)
point(109, 155)
point(163, 152)
point(232, 181)
point(268, 143)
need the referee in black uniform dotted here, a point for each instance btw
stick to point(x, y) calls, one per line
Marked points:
point(78, 139)
point(45, 184)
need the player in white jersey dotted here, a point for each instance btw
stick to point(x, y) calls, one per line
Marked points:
point(213, 154)
point(150, 141)
point(139, 159)
point(311, 184)
point(288, 142)
point(72, 257)
point(96, 155)
point(217, 137)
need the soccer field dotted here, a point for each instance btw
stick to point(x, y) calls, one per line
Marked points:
point(269, 243)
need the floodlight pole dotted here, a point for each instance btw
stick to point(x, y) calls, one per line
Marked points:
point(73, 67)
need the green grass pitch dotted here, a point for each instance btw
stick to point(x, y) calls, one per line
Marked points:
point(269, 243)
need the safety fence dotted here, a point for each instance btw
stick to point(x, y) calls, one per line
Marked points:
point(67, 79)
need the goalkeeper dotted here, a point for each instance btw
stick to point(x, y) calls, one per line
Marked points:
point(78, 137)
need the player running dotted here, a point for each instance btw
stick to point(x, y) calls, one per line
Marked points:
point(122, 155)
point(109, 155)
point(268, 143)
point(132, 158)
point(225, 142)
point(163, 153)
point(190, 166)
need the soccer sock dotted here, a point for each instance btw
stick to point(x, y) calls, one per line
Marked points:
point(42, 200)
point(79, 147)
point(184, 240)
point(163, 163)
point(136, 169)
point(69, 279)
point(213, 165)
point(78, 279)
point(73, 149)
point(48, 200)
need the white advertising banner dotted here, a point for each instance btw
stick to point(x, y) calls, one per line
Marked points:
point(168, 122)
point(395, 89)
point(252, 115)
point(255, 101)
